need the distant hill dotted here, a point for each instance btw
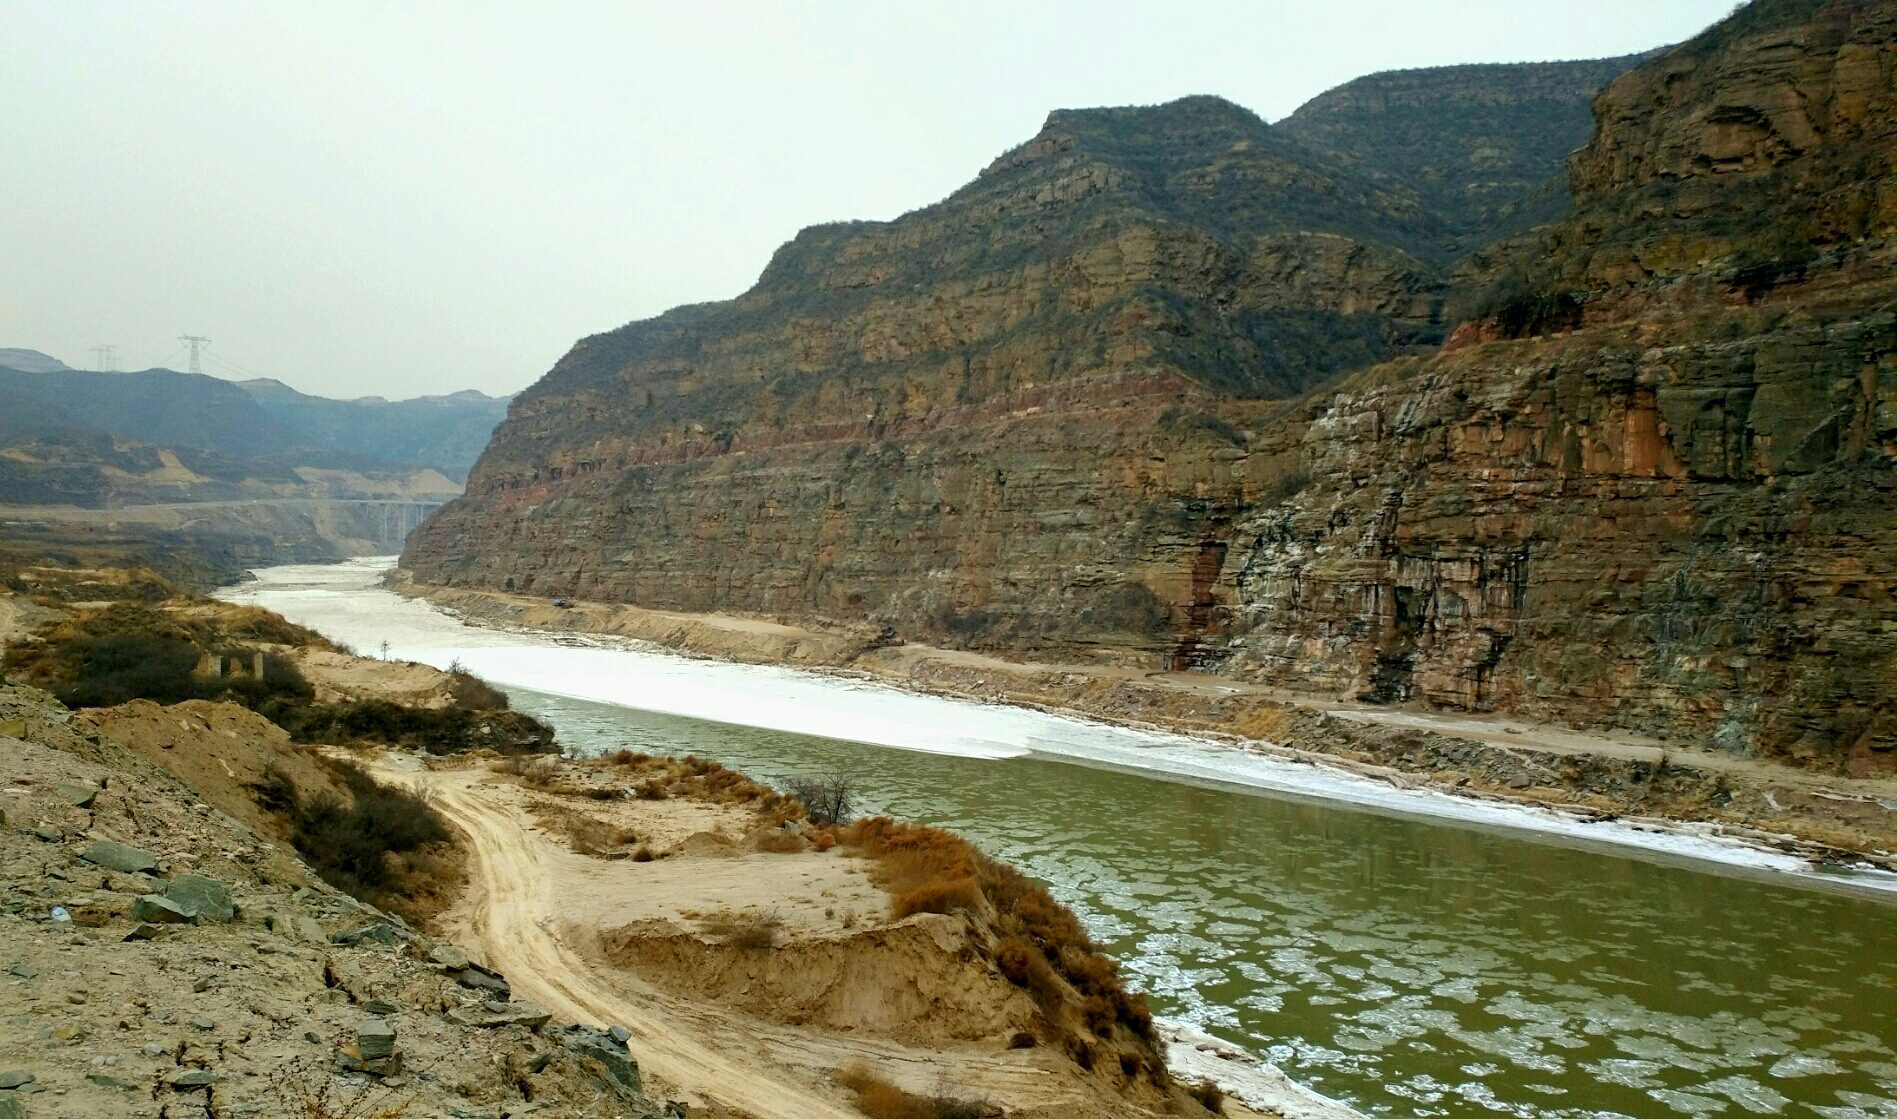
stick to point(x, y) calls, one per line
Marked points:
point(446, 433)
point(1484, 148)
point(260, 419)
point(193, 475)
point(158, 406)
point(100, 440)
point(30, 361)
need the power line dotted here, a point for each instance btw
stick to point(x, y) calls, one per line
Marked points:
point(229, 364)
point(194, 341)
point(107, 357)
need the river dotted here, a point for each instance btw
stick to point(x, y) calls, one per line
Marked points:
point(1401, 954)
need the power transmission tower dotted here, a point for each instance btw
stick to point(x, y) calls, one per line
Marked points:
point(108, 358)
point(194, 341)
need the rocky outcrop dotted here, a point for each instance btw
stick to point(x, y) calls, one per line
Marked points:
point(1669, 507)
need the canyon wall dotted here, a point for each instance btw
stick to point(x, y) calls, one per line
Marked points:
point(1171, 387)
point(1671, 506)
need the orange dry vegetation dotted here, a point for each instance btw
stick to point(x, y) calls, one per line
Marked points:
point(1041, 945)
point(879, 1099)
point(690, 778)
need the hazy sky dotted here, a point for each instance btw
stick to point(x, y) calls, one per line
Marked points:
point(404, 199)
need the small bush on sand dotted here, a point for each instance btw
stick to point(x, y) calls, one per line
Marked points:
point(880, 1099)
point(275, 791)
point(1210, 1096)
point(780, 841)
point(368, 844)
point(743, 930)
point(585, 834)
point(828, 799)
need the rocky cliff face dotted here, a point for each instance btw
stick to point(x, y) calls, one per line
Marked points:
point(1496, 171)
point(1016, 419)
point(1163, 386)
point(1670, 505)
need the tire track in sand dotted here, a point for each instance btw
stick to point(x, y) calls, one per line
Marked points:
point(509, 904)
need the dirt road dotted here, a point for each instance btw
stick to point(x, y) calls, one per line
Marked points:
point(529, 913)
point(507, 921)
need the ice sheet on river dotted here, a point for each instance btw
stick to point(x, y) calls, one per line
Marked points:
point(347, 603)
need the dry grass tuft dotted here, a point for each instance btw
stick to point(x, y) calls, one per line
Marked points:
point(585, 834)
point(780, 841)
point(880, 1099)
point(743, 930)
point(1210, 1096)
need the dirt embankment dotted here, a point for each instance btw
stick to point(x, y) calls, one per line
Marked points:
point(1823, 816)
point(164, 959)
point(755, 963)
point(759, 967)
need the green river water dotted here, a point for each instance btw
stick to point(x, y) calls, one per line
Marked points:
point(1406, 968)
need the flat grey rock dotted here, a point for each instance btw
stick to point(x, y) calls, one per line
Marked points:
point(450, 957)
point(477, 978)
point(601, 1046)
point(195, 1078)
point(159, 911)
point(495, 1014)
point(201, 898)
point(76, 794)
point(375, 1040)
point(13, 1078)
point(119, 857)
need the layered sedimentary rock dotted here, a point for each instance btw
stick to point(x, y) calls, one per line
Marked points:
point(1671, 507)
point(1167, 386)
point(1496, 171)
point(1017, 419)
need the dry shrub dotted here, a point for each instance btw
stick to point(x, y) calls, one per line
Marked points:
point(642, 855)
point(827, 799)
point(1083, 1055)
point(1210, 1096)
point(586, 835)
point(823, 839)
point(471, 693)
point(880, 1099)
point(950, 895)
point(743, 930)
point(384, 845)
point(1040, 943)
point(691, 778)
point(780, 841)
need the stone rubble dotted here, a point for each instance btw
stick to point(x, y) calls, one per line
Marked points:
point(197, 981)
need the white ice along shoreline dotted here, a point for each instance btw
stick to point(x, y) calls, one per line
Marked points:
point(346, 602)
point(1193, 1054)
